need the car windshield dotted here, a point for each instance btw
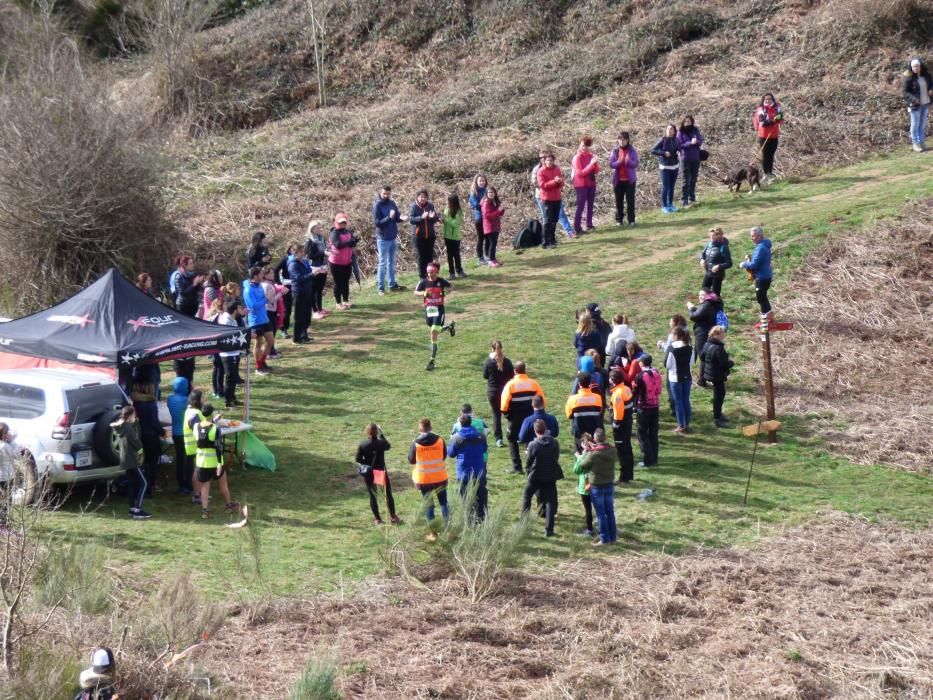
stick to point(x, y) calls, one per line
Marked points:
point(21, 402)
point(88, 402)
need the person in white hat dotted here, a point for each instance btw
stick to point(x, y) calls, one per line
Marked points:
point(917, 91)
point(97, 682)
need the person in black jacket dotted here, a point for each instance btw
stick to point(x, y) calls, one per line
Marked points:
point(423, 219)
point(543, 474)
point(715, 259)
point(667, 152)
point(704, 318)
point(258, 254)
point(917, 90)
point(716, 367)
point(497, 371)
point(371, 453)
point(316, 250)
point(281, 277)
point(302, 282)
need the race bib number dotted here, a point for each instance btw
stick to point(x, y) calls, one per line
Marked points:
point(432, 311)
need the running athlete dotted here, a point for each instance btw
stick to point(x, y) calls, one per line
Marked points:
point(434, 289)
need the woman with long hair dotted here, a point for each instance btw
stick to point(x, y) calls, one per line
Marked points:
point(341, 242)
point(587, 335)
point(585, 166)
point(213, 290)
point(497, 371)
point(666, 151)
point(258, 253)
point(767, 119)
point(185, 286)
point(493, 211)
point(689, 141)
point(370, 455)
point(477, 195)
point(144, 284)
point(453, 222)
point(281, 278)
point(316, 250)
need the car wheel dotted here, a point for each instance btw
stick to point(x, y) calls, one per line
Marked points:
point(28, 487)
point(106, 441)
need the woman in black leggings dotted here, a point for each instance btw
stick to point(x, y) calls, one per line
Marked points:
point(497, 371)
point(370, 455)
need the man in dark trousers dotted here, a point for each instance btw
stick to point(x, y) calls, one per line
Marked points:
point(527, 432)
point(621, 409)
point(468, 446)
point(715, 259)
point(543, 473)
point(647, 389)
point(759, 264)
point(299, 273)
point(584, 409)
point(516, 406)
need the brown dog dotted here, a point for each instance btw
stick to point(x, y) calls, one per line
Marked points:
point(749, 174)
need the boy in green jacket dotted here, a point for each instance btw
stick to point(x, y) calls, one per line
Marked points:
point(127, 429)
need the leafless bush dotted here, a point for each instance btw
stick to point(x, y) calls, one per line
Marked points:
point(79, 190)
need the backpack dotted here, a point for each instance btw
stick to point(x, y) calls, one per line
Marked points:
point(651, 378)
point(531, 235)
point(722, 319)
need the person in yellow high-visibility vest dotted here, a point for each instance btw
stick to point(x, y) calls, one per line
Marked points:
point(428, 454)
point(209, 462)
point(191, 418)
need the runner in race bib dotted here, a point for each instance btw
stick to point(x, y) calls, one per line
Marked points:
point(434, 290)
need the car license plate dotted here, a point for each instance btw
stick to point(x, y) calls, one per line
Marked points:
point(83, 459)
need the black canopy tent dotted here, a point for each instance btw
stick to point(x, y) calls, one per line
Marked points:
point(111, 323)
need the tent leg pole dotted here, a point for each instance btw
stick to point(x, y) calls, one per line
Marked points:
point(247, 391)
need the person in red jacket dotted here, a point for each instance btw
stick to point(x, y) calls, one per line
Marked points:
point(493, 211)
point(767, 119)
point(550, 182)
point(585, 167)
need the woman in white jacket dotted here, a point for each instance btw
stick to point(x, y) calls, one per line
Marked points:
point(620, 337)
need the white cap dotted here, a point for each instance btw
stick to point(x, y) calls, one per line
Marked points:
point(101, 659)
point(915, 62)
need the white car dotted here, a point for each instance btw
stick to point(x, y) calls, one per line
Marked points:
point(61, 419)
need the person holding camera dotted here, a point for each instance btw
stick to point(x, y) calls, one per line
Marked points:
point(370, 456)
point(597, 463)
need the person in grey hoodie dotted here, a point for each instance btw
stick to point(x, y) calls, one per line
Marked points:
point(543, 474)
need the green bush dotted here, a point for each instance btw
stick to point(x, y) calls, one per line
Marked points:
point(76, 577)
point(318, 680)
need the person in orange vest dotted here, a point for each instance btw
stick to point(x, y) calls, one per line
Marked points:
point(584, 409)
point(516, 406)
point(428, 453)
point(621, 409)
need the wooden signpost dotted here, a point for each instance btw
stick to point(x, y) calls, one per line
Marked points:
point(765, 328)
point(756, 429)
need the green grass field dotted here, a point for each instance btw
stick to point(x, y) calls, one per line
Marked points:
point(368, 364)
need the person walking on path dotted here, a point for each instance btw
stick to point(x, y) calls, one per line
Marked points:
point(341, 242)
point(316, 250)
point(689, 142)
point(386, 216)
point(666, 150)
point(477, 195)
point(516, 406)
point(434, 290)
point(126, 429)
point(177, 404)
point(647, 390)
point(704, 318)
point(759, 264)
point(767, 119)
point(423, 219)
point(427, 453)
point(258, 318)
point(493, 211)
point(527, 432)
point(917, 89)
point(621, 411)
point(585, 167)
point(302, 281)
point(561, 214)
point(597, 461)
point(715, 259)
point(716, 368)
point(497, 371)
point(543, 474)
point(371, 454)
point(453, 225)
point(624, 165)
point(210, 463)
point(584, 409)
point(677, 361)
point(551, 183)
point(469, 447)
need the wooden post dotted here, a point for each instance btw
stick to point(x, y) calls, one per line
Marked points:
point(769, 376)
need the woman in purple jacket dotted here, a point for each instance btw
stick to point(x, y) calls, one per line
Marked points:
point(689, 140)
point(624, 165)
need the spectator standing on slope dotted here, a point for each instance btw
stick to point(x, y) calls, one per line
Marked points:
point(423, 219)
point(468, 446)
point(561, 214)
point(427, 453)
point(387, 217)
point(316, 250)
point(759, 264)
point(551, 183)
point(689, 142)
point(598, 462)
point(302, 281)
point(666, 150)
point(767, 119)
point(371, 453)
point(543, 474)
point(677, 361)
point(497, 371)
point(585, 167)
point(624, 164)
point(257, 319)
point(704, 318)
point(917, 89)
point(715, 259)
point(341, 242)
point(477, 195)
point(621, 412)
point(527, 432)
point(282, 279)
point(647, 391)
point(453, 233)
point(716, 369)
point(516, 406)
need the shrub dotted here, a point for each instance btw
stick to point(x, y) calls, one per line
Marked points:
point(79, 186)
point(317, 680)
point(75, 575)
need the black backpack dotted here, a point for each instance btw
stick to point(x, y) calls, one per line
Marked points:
point(531, 235)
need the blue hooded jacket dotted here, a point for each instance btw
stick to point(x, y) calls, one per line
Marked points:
point(177, 403)
point(255, 299)
point(469, 447)
point(760, 264)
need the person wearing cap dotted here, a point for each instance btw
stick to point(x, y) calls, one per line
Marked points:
point(97, 682)
point(427, 454)
point(516, 406)
point(386, 216)
point(759, 264)
point(423, 219)
point(917, 89)
point(316, 250)
point(434, 289)
point(209, 462)
point(715, 259)
point(341, 242)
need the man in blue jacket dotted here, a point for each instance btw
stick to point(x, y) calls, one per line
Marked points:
point(527, 432)
point(469, 447)
point(759, 264)
point(386, 216)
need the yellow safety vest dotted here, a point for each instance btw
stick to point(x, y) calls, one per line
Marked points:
point(206, 455)
point(191, 440)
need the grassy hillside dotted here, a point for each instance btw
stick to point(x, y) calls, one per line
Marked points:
point(368, 364)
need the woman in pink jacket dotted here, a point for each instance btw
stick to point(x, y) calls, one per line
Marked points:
point(585, 167)
point(492, 224)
